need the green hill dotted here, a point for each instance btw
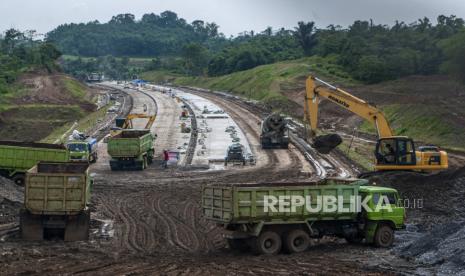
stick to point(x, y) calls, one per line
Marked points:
point(426, 108)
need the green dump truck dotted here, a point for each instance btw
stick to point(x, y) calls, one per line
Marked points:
point(18, 157)
point(271, 216)
point(131, 149)
point(56, 202)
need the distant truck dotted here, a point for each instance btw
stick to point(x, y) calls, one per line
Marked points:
point(83, 150)
point(56, 201)
point(131, 149)
point(274, 132)
point(240, 210)
point(235, 154)
point(16, 158)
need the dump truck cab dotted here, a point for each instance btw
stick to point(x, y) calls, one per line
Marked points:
point(383, 210)
point(235, 154)
point(83, 150)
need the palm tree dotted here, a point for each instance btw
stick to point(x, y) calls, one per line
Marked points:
point(306, 36)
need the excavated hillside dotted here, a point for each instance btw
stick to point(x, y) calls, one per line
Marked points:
point(42, 103)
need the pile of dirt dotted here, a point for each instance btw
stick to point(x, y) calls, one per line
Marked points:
point(429, 199)
point(11, 200)
point(326, 143)
point(436, 218)
point(443, 247)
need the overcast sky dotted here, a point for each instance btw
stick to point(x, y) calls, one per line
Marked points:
point(233, 16)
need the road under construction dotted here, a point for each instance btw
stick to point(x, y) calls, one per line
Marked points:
point(151, 221)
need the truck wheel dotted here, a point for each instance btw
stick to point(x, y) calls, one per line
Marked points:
point(238, 244)
point(268, 243)
point(285, 146)
point(296, 241)
point(30, 226)
point(77, 227)
point(145, 162)
point(19, 179)
point(384, 236)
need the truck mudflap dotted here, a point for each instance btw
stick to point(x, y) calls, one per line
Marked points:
point(77, 227)
point(370, 230)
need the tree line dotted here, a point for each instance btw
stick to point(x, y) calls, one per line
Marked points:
point(369, 52)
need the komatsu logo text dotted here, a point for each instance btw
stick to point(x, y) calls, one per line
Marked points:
point(341, 102)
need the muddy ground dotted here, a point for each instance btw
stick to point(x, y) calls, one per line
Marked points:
point(151, 223)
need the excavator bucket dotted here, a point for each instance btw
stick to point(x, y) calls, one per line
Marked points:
point(324, 144)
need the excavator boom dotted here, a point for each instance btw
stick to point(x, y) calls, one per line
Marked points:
point(317, 89)
point(392, 152)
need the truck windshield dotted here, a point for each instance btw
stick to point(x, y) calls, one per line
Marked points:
point(391, 197)
point(77, 147)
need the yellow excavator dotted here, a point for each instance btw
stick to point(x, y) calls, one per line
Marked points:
point(392, 153)
point(127, 123)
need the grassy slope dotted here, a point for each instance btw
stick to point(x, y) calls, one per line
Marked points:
point(270, 83)
point(34, 121)
point(267, 82)
point(83, 125)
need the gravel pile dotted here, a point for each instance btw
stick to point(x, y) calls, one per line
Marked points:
point(11, 200)
point(443, 247)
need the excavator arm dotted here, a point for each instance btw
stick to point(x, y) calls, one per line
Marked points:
point(128, 122)
point(317, 89)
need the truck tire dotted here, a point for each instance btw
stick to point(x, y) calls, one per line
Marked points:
point(285, 146)
point(268, 243)
point(19, 179)
point(384, 236)
point(94, 159)
point(238, 244)
point(77, 227)
point(145, 162)
point(296, 241)
point(30, 226)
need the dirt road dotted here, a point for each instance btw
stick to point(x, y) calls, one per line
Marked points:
point(150, 223)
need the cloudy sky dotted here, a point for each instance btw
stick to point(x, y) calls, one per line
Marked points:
point(233, 16)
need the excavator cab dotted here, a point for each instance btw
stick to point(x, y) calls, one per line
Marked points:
point(398, 151)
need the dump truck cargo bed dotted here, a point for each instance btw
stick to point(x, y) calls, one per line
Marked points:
point(130, 143)
point(244, 203)
point(57, 188)
point(18, 157)
point(56, 200)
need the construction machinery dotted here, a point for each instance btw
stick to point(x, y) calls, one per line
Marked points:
point(18, 157)
point(127, 123)
point(131, 149)
point(274, 132)
point(392, 152)
point(267, 217)
point(235, 154)
point(56, 201)
point(82, 148)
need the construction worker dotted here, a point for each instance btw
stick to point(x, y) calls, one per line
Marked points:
point(166, 157)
